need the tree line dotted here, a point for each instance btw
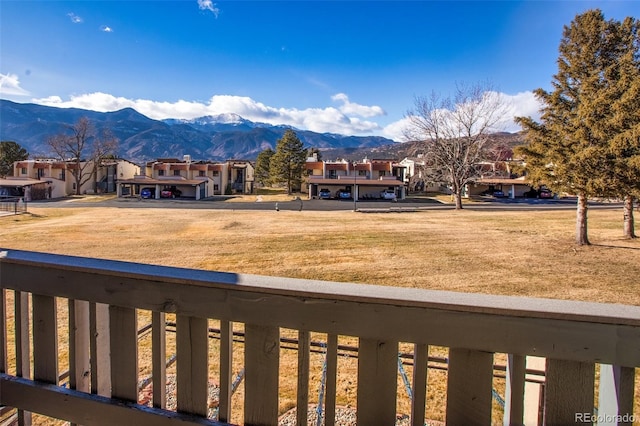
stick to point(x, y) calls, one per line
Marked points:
point(588, 139)
point(587, 142)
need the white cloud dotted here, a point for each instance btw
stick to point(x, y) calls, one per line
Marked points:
point(347, 119)
point(522, 104)
point(10, 85)
point(395, 130)
point(106, 29)
point(350, 108)
point(322, 120)
point(209, 5)
point(74, 18)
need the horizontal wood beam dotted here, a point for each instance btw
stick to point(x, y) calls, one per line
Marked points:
point(466, 302)
point(87, 409)
point(523, 326)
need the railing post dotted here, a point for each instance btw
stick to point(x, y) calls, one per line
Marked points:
point(79, 353)
point(568, 392)
point(514, 390)
point(159, 359)
point(615, 399)
point(332, 373)
point(3, 330)
point(533, 392)
point(377, 382)
point(23, 358)
point(261, 360)
point(123, 332)
point(45, 339)
point(419, 400)
point(99, 349)
point(302, 404)
point(226, 367)
point(470, 381)
point(192, 372)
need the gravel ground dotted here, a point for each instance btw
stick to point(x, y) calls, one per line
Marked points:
point(146, 396)
point(345, 416)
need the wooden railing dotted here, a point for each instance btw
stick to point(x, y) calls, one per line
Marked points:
point(104, 298)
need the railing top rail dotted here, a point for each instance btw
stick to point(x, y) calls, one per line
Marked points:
point(511, 306)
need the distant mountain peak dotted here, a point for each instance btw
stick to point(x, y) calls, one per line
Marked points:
point(225, 118)
point(212, 137)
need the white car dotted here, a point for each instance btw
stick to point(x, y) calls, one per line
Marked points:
point(388, 194)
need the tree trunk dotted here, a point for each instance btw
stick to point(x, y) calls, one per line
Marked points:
point(77, 178)
point(581, 221)
point(629, 226)
point(458, 199)
point(457, 196)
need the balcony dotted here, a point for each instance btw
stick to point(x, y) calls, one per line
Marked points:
point(104, 299)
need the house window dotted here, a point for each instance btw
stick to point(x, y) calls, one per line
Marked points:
point(216, 187)
point(201, 173)
point(382, 173)
point(23, 171)
point(176, 172)
point(333, 174)
point(362, 172)
point(216, 173)
point(160, 172)
point(40, 173)
point(63, 175)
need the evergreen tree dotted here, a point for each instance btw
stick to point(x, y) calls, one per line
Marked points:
point(623, 127)
point(569, 150)
point(287, 164)
point(10, 152)
point(262, 174)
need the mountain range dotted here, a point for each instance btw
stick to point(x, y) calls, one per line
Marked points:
point(218, 138)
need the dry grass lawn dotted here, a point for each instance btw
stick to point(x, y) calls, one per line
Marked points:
point(518, 253)
point(514, 253)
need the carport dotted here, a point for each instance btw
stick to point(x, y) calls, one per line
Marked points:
point(360, 188)
point(29, 189)
point(514, 187)
point(190, 188)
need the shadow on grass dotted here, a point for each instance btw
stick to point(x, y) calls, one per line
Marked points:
point(615, 247)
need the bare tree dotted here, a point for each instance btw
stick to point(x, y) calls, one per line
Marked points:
point(82, 147)
point(455, 131)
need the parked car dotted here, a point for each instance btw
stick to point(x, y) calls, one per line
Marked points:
point(498, 194)
point(9, 192)
point(324, 194)
point(148, 193)
point(388, 194)
point(170, 192)
point(532, 193)
point(343, 194)
point(545, 193)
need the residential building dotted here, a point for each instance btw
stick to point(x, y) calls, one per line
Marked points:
point(419, 176)
point(493, 177)
point(194, 179)
point(365, 179)
point(59, 181)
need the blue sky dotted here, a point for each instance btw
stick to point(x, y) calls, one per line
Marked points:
point(351, 67)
